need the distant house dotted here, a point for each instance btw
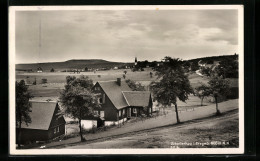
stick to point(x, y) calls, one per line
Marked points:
point(201, 64)
point(159, 64)
point(46, 123)
point(39, 70)
point(119, 102)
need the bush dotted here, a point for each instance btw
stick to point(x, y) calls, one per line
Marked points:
point(234, 93)
point(134, 69)
point(44, 80)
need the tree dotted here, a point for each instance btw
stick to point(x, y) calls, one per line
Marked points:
point(135, 86)
point(228, 68)
point(22, 107)
point(78, 99)
point(218, 87)
point(151, 74)
point(173, 84)
point(206, 71)
point(153, 64)
point(210, 61)
point(186, 65)
point(202, 91)
point(194, 66)
point(34, 82)
point(52, 70)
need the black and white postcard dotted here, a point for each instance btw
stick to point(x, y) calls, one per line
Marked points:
point(126, 79)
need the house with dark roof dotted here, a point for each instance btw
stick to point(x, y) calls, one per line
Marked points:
point(119, 102)
point(46, 123)
point(39, 70)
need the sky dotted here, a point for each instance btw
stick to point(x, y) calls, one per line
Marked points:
point(122, 35)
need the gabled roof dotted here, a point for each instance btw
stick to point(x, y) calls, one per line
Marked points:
point(137, 98)
point(41, 115)
point(114, 92)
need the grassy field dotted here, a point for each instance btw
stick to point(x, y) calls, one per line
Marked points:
point(214, 132)
point(60, 77)
point(56, 81)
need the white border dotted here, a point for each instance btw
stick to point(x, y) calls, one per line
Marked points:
point(14, 151)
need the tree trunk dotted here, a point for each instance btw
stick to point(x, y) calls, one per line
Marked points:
point(216, 100)
point(201, 104)
point(80, 131)
point(177, 115)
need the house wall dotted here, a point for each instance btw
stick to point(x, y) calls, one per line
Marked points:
point(32, 135)
point(122, 115)
point(56, 118)
point(88, 124)
point(138, 111)
point(57, 125)
point(54, 132)
point(108, 107)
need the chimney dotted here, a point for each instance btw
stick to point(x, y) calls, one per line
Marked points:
point(118, 81)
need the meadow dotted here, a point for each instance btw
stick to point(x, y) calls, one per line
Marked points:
point(56, 80)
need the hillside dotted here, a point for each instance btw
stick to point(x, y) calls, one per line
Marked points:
point(72, 64)
point(214, 58)
point(99, 63)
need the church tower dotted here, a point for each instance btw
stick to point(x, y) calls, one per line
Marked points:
point(135, 60)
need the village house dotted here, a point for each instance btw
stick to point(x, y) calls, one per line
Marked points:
point(39, 70)
point(119, 102)
point(46, 124)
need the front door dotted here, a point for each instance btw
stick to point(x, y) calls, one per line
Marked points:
point(100, 122)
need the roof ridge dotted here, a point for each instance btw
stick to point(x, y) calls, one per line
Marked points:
point(34, 101)
point(137, 91)
point(125, 98)
point(108, 81)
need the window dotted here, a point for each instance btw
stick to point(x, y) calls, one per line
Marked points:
point(123, 111)
point(97, 88)
point(95, 112)
point(134, 110)
point(102, 113)
point(58, 129)
point(119, 113)
point(54, 130)
point(100, 100)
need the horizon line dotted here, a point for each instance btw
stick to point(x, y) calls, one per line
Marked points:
point(119, 61)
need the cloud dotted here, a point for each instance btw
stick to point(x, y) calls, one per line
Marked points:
point(122, 35)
